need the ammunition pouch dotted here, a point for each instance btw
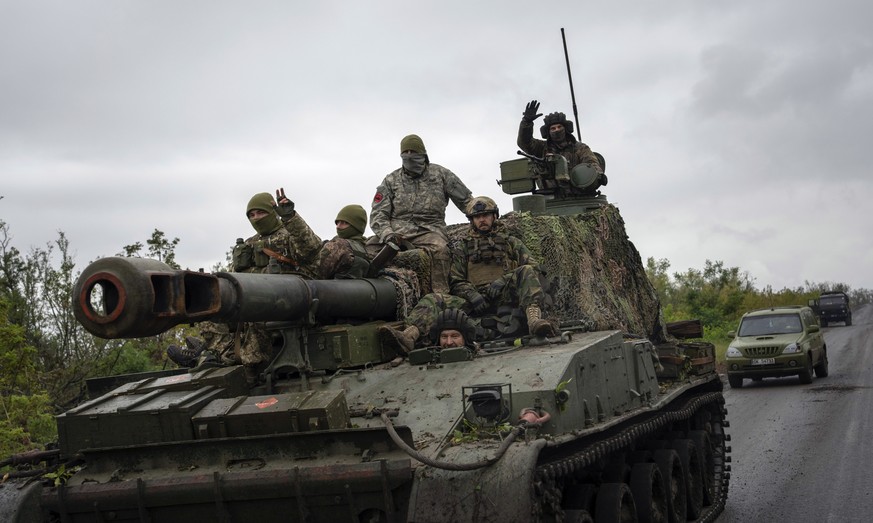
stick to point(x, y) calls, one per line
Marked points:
point(260, 257)
point(243, 257)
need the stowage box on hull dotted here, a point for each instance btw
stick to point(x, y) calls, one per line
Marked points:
point(132, 419)
point(272, 414)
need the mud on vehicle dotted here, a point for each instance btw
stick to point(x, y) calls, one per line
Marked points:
point(775, 342)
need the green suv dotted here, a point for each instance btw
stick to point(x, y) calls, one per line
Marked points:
point(782, 341)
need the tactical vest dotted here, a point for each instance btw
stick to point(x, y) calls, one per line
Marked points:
point(361, 264)
point(250, 257)
point(488, 258)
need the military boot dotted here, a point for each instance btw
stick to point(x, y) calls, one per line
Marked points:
point(403, 341)
point(187, 356)
point(536, 324)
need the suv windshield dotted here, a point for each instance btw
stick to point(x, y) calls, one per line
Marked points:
point(833, 300)
point(775, 324)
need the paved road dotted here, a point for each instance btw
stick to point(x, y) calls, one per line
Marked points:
point(804, 453)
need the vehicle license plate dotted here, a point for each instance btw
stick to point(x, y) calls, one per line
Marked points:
point(763, 361)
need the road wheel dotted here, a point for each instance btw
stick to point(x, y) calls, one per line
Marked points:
point(735, 381)
point(821, 370)
point(650, 495)
point(579, 496)
point(848, 320)
point(707, 462)
point(693, 475)
point(615, 504)
point(806, 373)
point(824, 322)
point(674, 480)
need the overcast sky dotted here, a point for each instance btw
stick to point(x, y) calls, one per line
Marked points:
point(736, 131)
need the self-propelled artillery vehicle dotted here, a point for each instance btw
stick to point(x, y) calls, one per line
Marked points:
point(577, 427)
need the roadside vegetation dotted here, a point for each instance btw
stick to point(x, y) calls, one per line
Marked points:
point(718, 296)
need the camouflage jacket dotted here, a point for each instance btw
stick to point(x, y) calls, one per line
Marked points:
point(344, 258)
point(464, 254)
point(406, 205)
point(294, 248)
point(574, 151)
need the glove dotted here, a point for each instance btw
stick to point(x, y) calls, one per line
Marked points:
point(394, 238)
point(530, 111)
point(493, 291)
point(478, 303)
point(285, 207)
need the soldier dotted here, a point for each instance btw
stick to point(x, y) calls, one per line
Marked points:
point(284, 243)
point(557, 132)
point(345, 256)
point(453, 328)
point(410, 204)
point(491, 268)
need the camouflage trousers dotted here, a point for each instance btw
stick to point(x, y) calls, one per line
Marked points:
point(501, 323)
point(518, 288)
point(247, 343)
point(436, 244)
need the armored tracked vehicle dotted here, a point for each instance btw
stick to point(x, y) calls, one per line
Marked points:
point(577, 427)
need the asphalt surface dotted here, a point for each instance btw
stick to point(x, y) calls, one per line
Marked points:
point(805, 452)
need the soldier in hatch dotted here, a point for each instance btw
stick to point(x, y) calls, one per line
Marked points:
point(453, 328)
point(557, 133)
point(410, 204)
point(489, 269)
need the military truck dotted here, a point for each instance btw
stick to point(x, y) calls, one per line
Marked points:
point(576, 427)
point(832, 306)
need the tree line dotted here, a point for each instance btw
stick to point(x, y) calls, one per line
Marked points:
point(46, 356)
point(719, 295)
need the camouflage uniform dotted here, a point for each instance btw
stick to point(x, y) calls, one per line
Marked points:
point(295, 243)
point(573, 150)
point(284, 245)
point(495, 265)
point(414, 207)
point(345, 256)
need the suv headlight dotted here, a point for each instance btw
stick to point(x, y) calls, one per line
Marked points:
point(733, 352)
point(792, 348)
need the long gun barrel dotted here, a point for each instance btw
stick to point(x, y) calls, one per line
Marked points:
point(135, 297)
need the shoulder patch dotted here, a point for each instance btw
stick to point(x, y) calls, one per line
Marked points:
point(378, 198)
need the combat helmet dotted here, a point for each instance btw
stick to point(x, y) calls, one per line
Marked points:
point(481, 205)
point(553, 118)
point(454, 319)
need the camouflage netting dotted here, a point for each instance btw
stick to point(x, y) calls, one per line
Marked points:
point(409, 271)
point(597, 272)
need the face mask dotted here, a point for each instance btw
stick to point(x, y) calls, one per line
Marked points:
point(414, 162)
point(267, 224)
point(557, 136)
point(348, 232)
